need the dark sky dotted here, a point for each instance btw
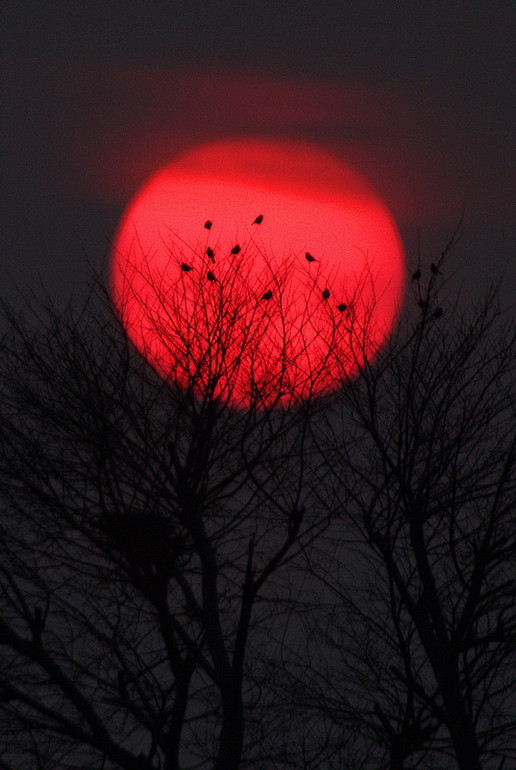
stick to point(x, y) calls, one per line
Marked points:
point(97, 95)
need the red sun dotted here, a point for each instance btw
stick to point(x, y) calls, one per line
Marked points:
point(256, 272)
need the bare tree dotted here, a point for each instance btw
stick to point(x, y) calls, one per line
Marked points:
point(414, 644)
point(160, 511)
point(143, 520)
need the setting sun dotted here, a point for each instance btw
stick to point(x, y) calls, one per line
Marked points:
point(257, 272)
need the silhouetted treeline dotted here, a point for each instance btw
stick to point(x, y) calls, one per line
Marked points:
point(327, 586)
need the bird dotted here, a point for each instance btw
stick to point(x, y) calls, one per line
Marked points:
point(258, 220)
point(236, 249)
point(208, 225)
point(309, 257)
point(437, 312)
point(268, 294)
point(186, 267)
point(342, 307)
point(210, 276)
point(326, 294)
point(417, 275)
point(435, 270)
point(210, 253)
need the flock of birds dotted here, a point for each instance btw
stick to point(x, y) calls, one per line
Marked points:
point(210, 275)
point(342, 306)
point(423, 303)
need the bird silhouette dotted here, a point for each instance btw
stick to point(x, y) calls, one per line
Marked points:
point(210, 276)
point(236, 249)
point(186, 267)
point(309, 257)
point(342, 307)
point(326, 294)
point(210, 253)
point(208, 225)
point(258, 220)
point(417, 275)
point(268, 294)
point(435, 270)
point(437, 312)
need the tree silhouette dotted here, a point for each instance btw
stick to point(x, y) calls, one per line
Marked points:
point(416, 646)
point(294, 583)
point(143, 520)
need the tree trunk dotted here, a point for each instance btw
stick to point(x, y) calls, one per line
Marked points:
point(232, 733)
point(458, 721)
point(433, 633)
point(177, 720)
point(463, 737)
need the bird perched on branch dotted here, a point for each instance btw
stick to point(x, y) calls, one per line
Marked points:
point(309, 257)
point(417, 275)
point(210, 253)
point(258, 220)
point(268, 294)
point(186, 267)
point(435, 270)
point(342, 307)
point(437, 312)
point(208, 225)
point(326, 294)
point(210, 276)
point(236, 249)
